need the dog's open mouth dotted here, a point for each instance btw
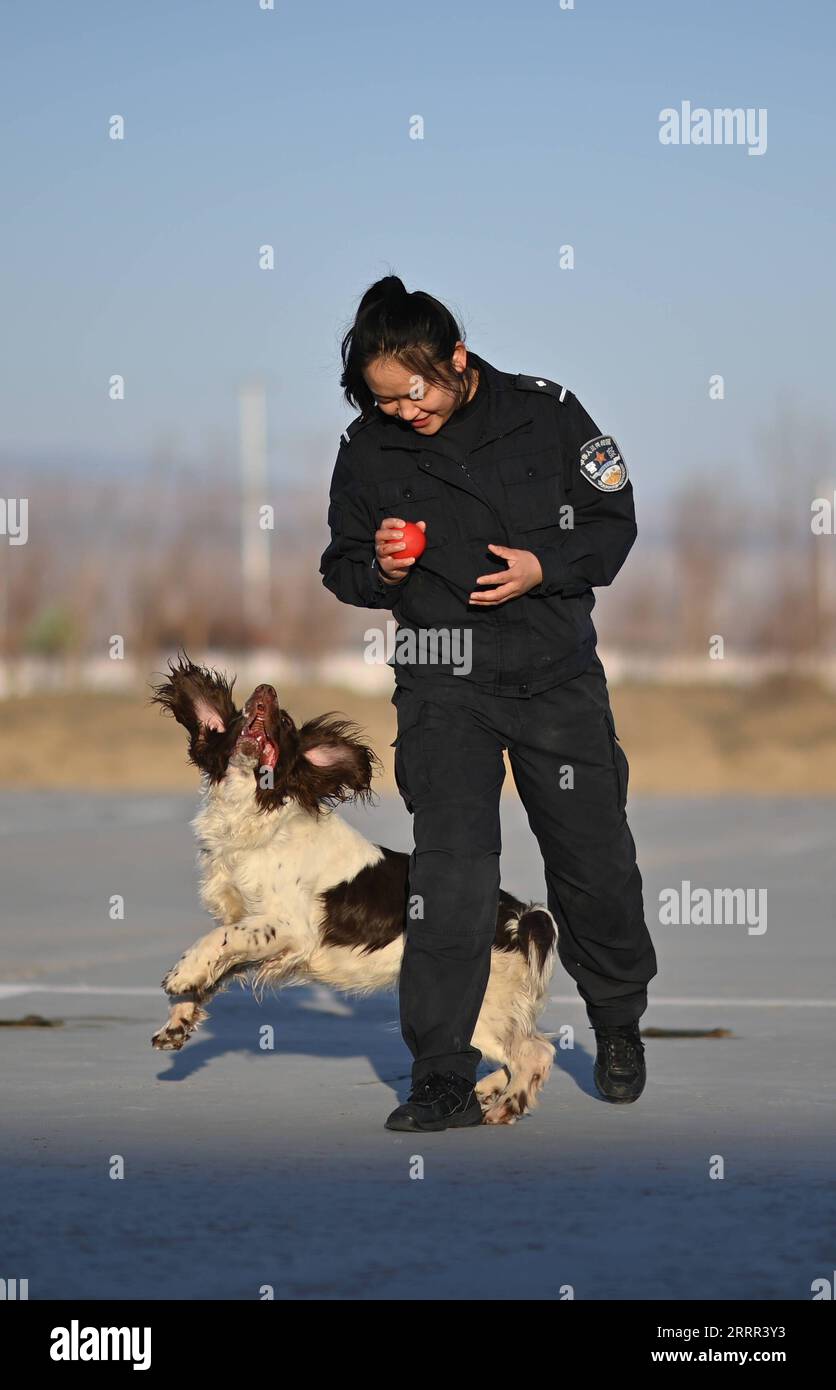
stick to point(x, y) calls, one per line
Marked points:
point(254, 742)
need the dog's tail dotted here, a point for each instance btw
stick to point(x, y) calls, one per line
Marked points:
point(536, 934)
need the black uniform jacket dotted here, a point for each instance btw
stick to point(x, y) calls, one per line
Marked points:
point(542, 477)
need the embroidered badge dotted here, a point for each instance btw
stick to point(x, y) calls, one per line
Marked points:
point(602, 464)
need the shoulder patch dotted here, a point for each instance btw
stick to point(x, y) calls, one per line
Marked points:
point(602, 465)
point(543, 385)
point(357, 424)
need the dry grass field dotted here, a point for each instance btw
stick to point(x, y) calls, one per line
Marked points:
point(777, 738)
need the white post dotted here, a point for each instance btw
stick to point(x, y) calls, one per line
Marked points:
point(824, 579)
point(255, 542)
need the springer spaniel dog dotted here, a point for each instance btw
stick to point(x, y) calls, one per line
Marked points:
point(301, 897)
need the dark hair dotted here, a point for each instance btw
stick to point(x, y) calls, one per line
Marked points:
point(416, 329)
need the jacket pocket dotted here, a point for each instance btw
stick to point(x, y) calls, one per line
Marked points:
point(533, 489)
point(622, 767)
point(414, 499)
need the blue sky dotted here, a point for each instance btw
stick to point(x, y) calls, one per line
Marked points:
point(291, 127)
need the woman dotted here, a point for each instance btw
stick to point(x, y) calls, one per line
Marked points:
point(525, 506)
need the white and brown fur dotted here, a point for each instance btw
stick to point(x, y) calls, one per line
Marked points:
point(301, 897)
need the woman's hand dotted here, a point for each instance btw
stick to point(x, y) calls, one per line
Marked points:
point(388, 540)
point(522, 574)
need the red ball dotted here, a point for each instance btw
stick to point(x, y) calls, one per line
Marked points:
point(415, 542)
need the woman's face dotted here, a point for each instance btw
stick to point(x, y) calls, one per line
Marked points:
point(420, 404)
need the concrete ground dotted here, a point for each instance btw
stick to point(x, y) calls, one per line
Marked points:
point(247, 1168)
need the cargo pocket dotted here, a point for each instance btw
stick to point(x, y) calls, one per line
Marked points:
point(622, 767)
point(410, 771)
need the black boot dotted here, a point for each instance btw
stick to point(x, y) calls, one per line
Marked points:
point(438, 1102)
point(620, 1071)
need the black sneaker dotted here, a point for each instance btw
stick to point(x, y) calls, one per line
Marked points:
point(438, 1102)
point(620, 1072)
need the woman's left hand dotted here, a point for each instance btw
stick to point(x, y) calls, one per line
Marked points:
point(522, 574)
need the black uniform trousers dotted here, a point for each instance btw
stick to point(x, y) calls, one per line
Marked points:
point(571, 775)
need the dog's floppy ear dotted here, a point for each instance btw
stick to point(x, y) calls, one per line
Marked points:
point(334, 763)
point(201, 700)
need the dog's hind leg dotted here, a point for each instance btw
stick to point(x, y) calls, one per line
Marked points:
point(491, 1087)
point(531, 1064)
point(506, 1032)
point(491, 1036)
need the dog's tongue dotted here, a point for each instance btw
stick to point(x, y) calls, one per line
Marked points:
point(268, 752)
point(269, 755)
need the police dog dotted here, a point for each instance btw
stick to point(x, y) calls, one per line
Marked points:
point(301, 897)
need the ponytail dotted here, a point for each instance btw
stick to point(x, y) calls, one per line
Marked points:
point(415, 329)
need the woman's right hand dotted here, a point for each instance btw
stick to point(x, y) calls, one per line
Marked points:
point(388, 540)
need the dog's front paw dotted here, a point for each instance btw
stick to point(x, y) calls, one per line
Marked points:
point(184, 978)
point(179, 1026)
point(170, 1038)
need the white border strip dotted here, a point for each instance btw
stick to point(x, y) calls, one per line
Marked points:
point(660, 999)
point(11, 991)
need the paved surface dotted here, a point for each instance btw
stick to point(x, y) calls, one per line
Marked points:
point(246, 1168)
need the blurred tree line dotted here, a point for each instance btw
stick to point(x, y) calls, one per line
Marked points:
point(156, 559)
